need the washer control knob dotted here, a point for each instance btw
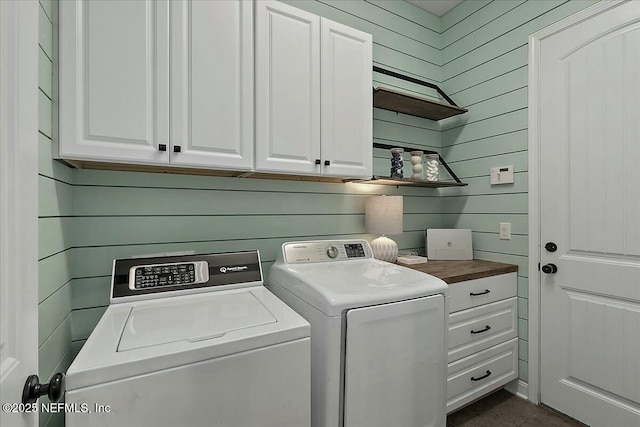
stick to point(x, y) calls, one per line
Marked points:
point(332, 252)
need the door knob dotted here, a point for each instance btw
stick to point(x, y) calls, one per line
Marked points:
point(177, 148)
point(549, 268)
point(33, 389)
point(551, 247)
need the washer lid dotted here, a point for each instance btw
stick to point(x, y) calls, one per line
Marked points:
point(333, 287)
point(146, 337)
point(205, 318)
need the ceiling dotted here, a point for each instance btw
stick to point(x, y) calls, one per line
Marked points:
point(437, 7)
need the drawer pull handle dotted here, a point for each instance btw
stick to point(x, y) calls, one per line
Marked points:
point(482, 377)
point(486, 328)
point(473, 294)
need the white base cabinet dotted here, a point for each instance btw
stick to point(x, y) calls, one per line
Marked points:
point(482, 340)
point(314, 100)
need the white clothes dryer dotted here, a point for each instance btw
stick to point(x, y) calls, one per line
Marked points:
point(192, 340)
point(378, 350)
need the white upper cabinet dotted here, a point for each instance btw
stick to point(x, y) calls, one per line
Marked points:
point(346, 101)
point(212, 84)
point(313, 94)
point(114, 80)
point(171, 83)
point(287, 89)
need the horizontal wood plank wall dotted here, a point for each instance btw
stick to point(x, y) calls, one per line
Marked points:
point(484, 68)
point(117, 214)
point(55, 192)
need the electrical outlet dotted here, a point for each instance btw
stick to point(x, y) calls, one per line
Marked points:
point(505, 231)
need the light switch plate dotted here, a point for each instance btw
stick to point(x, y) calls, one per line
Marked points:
point(505, 231)
point(502, 175)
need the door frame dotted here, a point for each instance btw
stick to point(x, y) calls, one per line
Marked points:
point(535, 39)
point(19, 191)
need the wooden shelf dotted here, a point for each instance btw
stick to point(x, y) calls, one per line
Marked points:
point(380, 180)
point(389, 99)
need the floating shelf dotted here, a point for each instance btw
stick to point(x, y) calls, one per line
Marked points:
point(381, 180)
point(389, 99)
point(415, 105)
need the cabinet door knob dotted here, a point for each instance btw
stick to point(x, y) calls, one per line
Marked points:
point(162, 147)
point(318, 161)
point(176, 149)
point(327, 162)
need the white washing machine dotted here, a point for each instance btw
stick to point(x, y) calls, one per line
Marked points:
point(378, 350)
point(192, 340)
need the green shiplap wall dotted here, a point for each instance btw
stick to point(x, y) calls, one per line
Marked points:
point(477, 53)
point(55, 193)
point(117, 214)
point(484, 68)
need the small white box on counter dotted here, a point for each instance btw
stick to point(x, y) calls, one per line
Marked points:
point(448, 244)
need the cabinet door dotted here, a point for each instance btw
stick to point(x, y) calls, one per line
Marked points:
point(287, 89)
point(346, 101)
point(212, 84)
point(113, 80)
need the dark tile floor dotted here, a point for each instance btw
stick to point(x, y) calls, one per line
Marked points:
point(503, 409)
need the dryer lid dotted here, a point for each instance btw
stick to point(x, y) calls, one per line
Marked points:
point(205, 318)
point(333, 287)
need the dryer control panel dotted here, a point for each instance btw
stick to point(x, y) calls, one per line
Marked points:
point(325, 251)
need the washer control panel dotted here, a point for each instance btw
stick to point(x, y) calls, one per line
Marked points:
point(325, 251)
point(174, 274)
point(165, 275)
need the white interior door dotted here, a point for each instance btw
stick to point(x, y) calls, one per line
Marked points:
point(590, 208)
point(18, 206)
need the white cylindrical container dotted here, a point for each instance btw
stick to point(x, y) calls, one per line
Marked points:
point(416, 165)
point(396, 163)
point(432, 166)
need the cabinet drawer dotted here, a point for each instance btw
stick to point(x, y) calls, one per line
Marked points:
point(472, 293)
point(479, 328)
point(473, 376)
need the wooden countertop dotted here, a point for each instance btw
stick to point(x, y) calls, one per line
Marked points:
point(460, 271)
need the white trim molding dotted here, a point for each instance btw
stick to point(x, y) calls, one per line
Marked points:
point(18, 201)
point(535, 39)
point(519, 388)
